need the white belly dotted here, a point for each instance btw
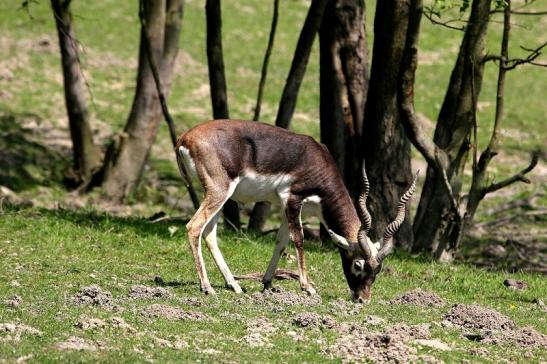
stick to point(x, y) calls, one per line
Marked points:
point(253, 187)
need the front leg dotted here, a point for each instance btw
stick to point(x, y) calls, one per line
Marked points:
point(293, 213)
point(282, 240)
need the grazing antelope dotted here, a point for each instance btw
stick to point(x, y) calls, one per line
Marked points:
point(251, 162)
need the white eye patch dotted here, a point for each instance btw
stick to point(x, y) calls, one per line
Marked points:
point(358, 268)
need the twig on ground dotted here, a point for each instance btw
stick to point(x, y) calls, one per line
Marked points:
point(279, 274)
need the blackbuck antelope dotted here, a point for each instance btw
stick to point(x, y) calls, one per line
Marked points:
point(251, 162)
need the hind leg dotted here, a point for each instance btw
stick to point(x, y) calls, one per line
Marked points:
point(210, 234)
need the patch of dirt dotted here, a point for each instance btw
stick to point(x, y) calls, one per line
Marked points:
point(433, 343)
point(177, 343)
point(261, 325)
point(493, 327)
point(477, 317)
point(314, 320)
point(282, 297)
point(172, 313)
point(91, 323)
point(79, 344)
point(479, 352)
point(14, 301)
point(258, 331)
point(344, 307)
point(387, 346)
point(140, 291)
point(191, 301)
point(418, 297)
point(232, 316)
point(373, 320)
point(93, 295)
point(525, 337)
point(13, 332)
point(256, 339)
point(515, 284)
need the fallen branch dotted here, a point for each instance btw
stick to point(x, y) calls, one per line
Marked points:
point(280, 274)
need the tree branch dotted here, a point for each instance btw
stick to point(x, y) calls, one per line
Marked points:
point(264, 72)
point(519, 177)
point(429, 14)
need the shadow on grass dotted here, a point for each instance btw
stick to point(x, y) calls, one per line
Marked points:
point(24, 162)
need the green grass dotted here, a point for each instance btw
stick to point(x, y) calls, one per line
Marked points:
point(51, 254)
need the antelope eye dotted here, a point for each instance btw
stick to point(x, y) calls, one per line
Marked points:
point(358, 265)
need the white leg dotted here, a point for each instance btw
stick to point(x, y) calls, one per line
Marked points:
point(282, 240)
point(210, 234)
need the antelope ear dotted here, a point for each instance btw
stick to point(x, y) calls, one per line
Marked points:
point(340, 241)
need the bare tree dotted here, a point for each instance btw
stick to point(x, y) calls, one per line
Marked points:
point(87, 155)
point(128, 154)
point(292, 86)
point(344, 85)
point(446, 161)
point(260, 210)
point(438, 209)
point(385, 146)
point(299, 63)
point(164, 108)
point(217, 82)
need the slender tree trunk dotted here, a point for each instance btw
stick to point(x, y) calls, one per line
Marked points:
point(258, 216)
point(344, 86)
point(385, 146)
point(292, 86)
point(127, 156)
point(434, 221)
point(299, 63)
point(217, 81)
point(87, 155)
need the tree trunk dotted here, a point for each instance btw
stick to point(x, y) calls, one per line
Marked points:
point(385, 146)
point(434, 222)
point(258, 216)
point(127, 156)
point(299, 63)
point(87, 156)
point(217, 82)
point(292, 86)
point(343, 86)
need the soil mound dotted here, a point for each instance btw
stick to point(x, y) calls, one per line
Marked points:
point(286, 298)
point(258, 331)
point(477, 317)
point(172, 313)
point(344, 307)
point(388, 346)
point(14, 301)
point(314, 320)
point(525, 337)
point(418, 297)
point(140, 291)
point(79, 344)
point(91, 323)
point(13, 332)
point(93, 295)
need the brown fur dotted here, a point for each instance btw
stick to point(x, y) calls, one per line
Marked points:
point(223, 149)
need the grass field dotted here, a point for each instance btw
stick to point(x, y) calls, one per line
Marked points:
point(50, 252)
point(48, 256)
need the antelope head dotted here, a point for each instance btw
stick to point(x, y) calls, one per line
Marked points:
point(362, 260)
